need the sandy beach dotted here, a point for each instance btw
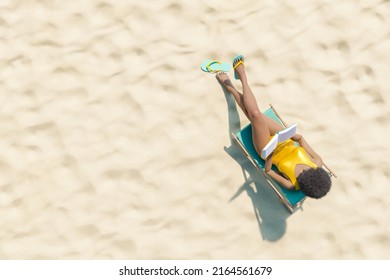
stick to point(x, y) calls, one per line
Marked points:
point(115, 145)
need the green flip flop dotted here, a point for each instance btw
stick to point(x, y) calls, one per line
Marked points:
point(214, 66)
point(237, 60)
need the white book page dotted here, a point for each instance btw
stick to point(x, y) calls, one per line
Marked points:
point(270, 147)
point(287, 133)
point(279, 137)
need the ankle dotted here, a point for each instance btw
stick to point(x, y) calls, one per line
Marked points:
point(243, 78)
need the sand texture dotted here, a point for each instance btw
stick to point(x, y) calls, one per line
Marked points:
point(115, 145)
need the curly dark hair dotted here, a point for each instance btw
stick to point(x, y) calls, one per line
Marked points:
point(314, 182)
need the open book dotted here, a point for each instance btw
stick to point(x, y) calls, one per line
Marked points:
point(279, 137)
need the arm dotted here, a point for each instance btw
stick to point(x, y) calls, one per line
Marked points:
point(277, 177)
point(313, 155)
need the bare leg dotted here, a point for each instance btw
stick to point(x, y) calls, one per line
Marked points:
point(260, 131)
point(224, 79)
point(262, 126)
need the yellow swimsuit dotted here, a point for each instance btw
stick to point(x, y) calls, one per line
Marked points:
point(287, 156)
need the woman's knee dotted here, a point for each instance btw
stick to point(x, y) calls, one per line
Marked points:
point(257, 116)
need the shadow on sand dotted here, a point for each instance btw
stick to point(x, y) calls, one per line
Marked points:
point(270, 214)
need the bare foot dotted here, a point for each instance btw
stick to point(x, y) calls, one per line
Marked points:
point(224, 80)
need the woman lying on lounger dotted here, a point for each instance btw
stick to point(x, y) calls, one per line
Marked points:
point(301, 167)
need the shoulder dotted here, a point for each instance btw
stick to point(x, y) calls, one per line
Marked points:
point(314, 157)
point(286, 183)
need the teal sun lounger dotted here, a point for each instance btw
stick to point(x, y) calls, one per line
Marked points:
point(290, 198)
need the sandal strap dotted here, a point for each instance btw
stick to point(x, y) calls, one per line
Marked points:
point(211, 63)
point(238, 62)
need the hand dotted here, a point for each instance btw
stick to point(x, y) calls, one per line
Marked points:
point(297, 137)
point(270, 156)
